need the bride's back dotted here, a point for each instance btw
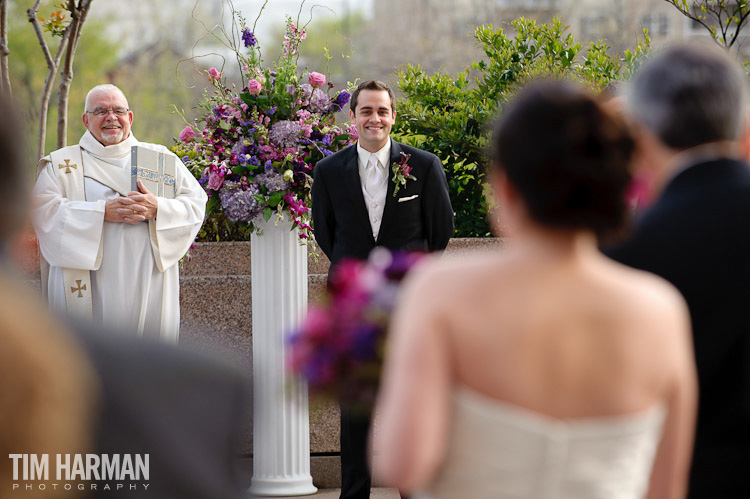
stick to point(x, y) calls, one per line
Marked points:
point(581, 337)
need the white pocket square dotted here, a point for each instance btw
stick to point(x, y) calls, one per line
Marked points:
point(401, 200)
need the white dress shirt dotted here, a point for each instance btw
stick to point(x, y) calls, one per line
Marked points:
point(375, 201)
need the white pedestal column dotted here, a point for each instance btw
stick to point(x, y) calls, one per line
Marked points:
point(281, 425)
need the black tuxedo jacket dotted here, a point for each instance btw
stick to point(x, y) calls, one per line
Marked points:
point(697, 236)
point(340, 220)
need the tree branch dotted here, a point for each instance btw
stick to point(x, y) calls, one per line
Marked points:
point(4, 50)
point(78, 15)
point(53, 65)
point(743, 19)
point(34, 20)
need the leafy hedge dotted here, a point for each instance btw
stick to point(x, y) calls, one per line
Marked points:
point(449, 115)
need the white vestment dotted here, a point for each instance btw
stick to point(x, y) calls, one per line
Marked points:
point(135, 273)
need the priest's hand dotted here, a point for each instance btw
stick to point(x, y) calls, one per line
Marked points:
point(146, 203)
point(124, 210)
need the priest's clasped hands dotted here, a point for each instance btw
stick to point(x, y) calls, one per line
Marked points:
point(133, 209)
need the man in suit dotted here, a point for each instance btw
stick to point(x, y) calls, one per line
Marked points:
point(690, 104)
point(357, 206)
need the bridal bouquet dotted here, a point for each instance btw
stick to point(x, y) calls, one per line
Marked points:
point(254, 148)
point(339, 346)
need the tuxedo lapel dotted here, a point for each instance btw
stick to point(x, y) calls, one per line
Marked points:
point(353, 184)
point(390, 201)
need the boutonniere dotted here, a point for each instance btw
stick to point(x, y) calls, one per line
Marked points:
point(401, 172)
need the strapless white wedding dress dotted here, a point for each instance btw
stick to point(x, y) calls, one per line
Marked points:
point(500, 451)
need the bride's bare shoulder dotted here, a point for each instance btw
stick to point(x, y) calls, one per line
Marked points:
point(453, 274)
point(655, 298)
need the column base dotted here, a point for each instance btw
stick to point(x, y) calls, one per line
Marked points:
point(281, 487)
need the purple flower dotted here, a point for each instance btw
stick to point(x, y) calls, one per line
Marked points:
point(285, 133)
point(319, 101)
point(365, 342)
point(248, 38)
point(306, 90)
point(291, 89)
point(341, 100)
point(239, 205)
point(273, 181)
point(239, 148)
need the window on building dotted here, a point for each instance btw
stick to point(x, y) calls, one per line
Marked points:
point(657, 24)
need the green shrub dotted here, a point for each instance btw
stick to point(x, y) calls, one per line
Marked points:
point(449, 115)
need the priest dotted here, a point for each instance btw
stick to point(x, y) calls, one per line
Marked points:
point(113, 252)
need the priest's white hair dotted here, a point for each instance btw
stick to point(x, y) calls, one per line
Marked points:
point(104, 88)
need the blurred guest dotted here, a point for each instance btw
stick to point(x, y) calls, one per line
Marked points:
point(46, 384)
point(547, 370)
point(691, 105)
point(639, 193)
point(67, 389)
point(113, 252)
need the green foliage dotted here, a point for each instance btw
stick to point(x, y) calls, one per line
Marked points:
point(56, 22)
point(449, 115)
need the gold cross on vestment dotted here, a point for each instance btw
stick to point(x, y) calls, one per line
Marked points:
point(80, 288)
point(67, 166)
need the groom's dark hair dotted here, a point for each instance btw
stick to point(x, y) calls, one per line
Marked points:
point(371, 85)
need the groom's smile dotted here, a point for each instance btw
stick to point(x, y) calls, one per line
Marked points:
point(374, 116)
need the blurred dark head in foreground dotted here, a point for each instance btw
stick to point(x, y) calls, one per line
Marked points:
point(565, 156)
point(46, 383)
point(690, 95)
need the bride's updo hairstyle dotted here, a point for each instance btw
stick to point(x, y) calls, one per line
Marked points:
point(566, 156)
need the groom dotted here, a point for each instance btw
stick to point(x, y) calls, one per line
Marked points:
point(356, 207)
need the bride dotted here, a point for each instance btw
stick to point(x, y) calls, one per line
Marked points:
point(548, 370)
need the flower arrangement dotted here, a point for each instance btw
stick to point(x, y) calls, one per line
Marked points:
point(339, 346)
point(254, 148)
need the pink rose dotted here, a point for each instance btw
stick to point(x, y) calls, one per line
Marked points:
point(214, 74)
point(187, 134)
point(254, 86)
point(215, 181)
point(316, 79)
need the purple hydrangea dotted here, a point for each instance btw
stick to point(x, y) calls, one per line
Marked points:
point(285, 133)
point(248, 38)
point(239, 148)
point(319, 101)
point(239, 205)
point(306, 90)
point(273, 181)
